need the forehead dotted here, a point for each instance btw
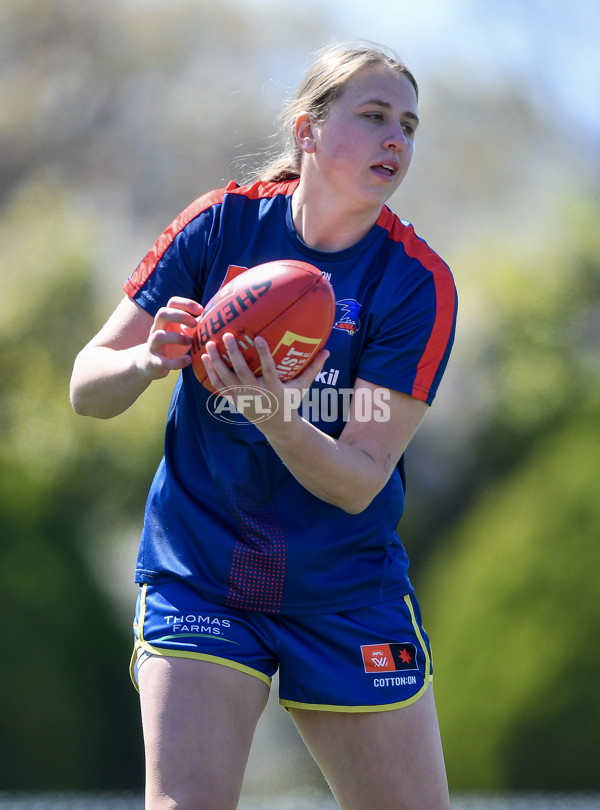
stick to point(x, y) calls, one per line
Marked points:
point(380, 83)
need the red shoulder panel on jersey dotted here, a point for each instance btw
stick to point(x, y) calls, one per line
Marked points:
point(445, 299)
point(263, 190)
point(144, 270)
point(254, 191)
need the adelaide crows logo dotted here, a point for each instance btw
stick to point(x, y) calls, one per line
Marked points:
point(347, 320)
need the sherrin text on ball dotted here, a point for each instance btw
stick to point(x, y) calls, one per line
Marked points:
point(289, 303)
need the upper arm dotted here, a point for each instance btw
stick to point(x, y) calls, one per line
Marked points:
point(129, 325)
point(381, 423)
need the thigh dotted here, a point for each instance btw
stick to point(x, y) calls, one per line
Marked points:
point(391, 760)
point(198, 719)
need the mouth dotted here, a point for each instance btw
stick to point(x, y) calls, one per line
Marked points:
point(386, 170)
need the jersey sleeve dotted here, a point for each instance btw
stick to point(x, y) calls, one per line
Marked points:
point(176, 263)
point(410, 345)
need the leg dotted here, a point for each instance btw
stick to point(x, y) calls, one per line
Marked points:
point(199, 719)
point(389, 760)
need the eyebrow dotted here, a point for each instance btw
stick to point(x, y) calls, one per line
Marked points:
point(386, 104)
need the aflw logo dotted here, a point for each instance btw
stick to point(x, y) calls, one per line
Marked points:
point(392, 657)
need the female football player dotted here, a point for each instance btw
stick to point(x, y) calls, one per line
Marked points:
point(270, 544)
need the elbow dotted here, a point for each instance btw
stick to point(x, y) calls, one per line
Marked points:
point(78, 404)
point(358, 498)
point(355, 508)
point(76, 401)
point(85, 408)
point(82, 404)
point(79, 410)
point(77, 391)
point(77, 397)
point(356, 503)
point(349, 503)
point(84, 400)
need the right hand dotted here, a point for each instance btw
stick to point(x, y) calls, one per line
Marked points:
point(170, 338)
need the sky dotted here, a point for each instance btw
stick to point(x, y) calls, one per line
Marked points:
point(547, 46)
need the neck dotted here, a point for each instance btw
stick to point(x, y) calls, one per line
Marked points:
point(323, 224)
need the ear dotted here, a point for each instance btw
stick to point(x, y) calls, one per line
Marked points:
point(305, 136)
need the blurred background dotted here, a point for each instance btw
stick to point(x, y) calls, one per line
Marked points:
point(114, 115)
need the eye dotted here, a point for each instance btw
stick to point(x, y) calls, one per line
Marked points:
point(408, 129)
point(374, 116)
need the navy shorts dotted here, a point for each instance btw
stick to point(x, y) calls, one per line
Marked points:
point(371, 659)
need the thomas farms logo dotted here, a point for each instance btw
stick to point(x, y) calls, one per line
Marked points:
point(250, 404)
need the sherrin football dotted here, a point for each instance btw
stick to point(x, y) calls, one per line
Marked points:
point(289, 303)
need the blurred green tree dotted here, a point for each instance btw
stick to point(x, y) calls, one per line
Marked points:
point(510, 594)
point(112, 117)
point(511, 603)
point(69, 714)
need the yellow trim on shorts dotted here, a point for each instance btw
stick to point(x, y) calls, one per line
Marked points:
point(144, 645)
point(386, 707)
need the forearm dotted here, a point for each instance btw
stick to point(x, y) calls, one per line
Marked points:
point(347, 472)
point(335, 471)
point(106, 382)
point(130, 351)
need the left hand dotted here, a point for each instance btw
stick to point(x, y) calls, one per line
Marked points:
point(288, 394)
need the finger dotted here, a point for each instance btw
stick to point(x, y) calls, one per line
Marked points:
point(267, 363)
point(186, 304)
point(307, 377)
point(175, 363)
point(210, 372)
point(174, 315)
point(219, 373)
point(156, 365)
point(175, 340)
point(238, 361)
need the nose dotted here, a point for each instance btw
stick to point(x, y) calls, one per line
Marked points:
point(395, 138)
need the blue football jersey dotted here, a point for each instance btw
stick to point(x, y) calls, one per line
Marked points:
point(223, 512)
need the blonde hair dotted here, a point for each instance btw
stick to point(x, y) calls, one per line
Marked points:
point(323, 84)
